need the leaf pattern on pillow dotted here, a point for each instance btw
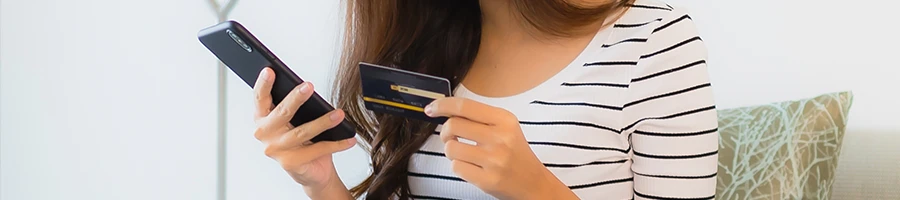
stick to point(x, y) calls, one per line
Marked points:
point(785, 150)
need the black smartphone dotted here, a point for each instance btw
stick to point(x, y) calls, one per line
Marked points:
point(246, 56)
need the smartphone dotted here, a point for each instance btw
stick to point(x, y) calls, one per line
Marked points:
point(246, 56)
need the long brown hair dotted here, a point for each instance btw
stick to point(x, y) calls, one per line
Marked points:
point(436, 37)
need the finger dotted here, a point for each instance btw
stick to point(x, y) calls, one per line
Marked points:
point(263, 92)
point(303, 155)
point(461, 127)
point(456, 150)
point(320, 149)
point(468, 171)
point(303, 133)
point(469, 109)
point(285, 110)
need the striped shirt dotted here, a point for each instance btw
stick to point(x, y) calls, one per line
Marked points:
point(632, 116)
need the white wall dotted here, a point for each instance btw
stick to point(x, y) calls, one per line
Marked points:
point(769, 50)
point(106, 99)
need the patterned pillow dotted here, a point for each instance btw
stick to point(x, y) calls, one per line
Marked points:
point(785, 150)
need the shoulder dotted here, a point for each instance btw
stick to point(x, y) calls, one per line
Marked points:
point(671, 40)
point(654, 9)
point(651, 16)
point(662, 26)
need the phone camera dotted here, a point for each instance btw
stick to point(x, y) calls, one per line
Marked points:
point(238, 40)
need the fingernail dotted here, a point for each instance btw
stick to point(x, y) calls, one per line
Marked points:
point(304, 87)
point(334, 116)
point(428, 110)
point(264, 74)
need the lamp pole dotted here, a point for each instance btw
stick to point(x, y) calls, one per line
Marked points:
point(221, 107)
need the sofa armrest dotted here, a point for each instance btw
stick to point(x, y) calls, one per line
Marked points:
point(869, 166)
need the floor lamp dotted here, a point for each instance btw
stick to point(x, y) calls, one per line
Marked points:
point(221, 133)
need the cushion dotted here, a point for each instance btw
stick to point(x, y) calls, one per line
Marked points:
point(785, 150)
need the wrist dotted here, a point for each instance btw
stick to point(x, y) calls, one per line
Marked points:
point(334, 189)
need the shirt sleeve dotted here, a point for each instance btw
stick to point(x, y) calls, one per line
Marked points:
point(670, 115)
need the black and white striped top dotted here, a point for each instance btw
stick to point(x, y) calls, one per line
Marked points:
point(632, 117)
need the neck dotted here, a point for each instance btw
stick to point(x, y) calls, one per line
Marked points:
point(500, 22)
point(506, 37)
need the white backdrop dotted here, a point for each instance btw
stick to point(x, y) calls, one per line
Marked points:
point(106, 99)
point(769, 50)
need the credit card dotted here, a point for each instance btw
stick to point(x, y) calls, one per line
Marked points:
point(400, 92)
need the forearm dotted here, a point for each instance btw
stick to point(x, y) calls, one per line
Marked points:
point(552, 189)
point(332, 191)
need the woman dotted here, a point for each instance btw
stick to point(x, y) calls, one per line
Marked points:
point(554, 99)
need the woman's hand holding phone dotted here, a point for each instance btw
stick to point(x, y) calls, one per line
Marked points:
point(308, 164)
